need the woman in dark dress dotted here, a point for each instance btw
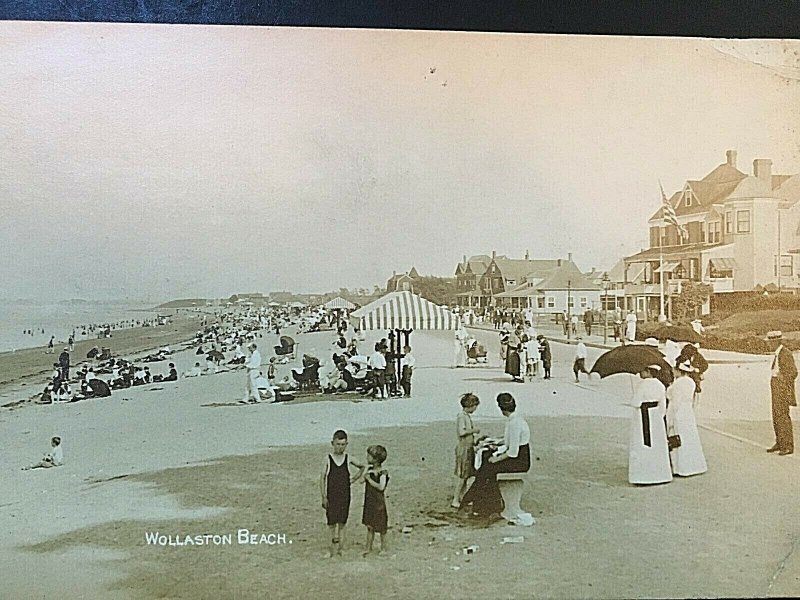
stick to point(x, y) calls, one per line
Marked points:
point(513, 367)
point(484, 494)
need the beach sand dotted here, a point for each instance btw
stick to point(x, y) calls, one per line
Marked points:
point(147, 461)
point(32, 366)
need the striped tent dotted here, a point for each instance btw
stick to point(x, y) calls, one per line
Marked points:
point(338, 302)
point(403, 310)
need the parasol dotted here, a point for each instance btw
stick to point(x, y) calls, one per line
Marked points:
point(99, 387)
point(215, 355)
point(633, 359)
point(678, 333)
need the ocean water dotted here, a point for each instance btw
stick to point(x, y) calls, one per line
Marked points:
point(59, 319)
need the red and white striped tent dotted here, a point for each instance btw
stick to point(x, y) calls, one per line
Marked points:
point(403, 310)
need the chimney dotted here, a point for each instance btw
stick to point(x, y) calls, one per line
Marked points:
point(731, 156)
point(569, 256)
point(465, 259)
point(762, 168)
point(494, 254)
point(527, 255)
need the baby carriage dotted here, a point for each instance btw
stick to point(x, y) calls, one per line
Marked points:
point(286, 347)
point(476, 353)
point(308, 377)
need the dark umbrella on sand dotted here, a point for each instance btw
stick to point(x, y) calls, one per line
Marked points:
point(215, 356)
point(633, 359)
point(100, 388)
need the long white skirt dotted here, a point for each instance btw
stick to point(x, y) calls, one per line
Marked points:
point(688, 459)
point(648, 464)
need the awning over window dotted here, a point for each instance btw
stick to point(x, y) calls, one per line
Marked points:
point(723, 264)
point(668, 267)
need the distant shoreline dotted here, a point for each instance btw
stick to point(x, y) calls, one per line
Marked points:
point(31, 366)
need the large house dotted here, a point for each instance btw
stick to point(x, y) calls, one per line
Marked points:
point(402, 282)
point(547, 286)
point(743, 234)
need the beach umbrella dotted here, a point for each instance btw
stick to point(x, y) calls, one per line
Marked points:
point(678, 333)
point(99, 387)
point(633, 359)
point(215, 355)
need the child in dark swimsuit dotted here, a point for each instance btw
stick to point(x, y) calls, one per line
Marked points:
point(375, 516)
point(335, 488)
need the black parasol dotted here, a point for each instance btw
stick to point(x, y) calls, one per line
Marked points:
point(633, 359)
point(100, 388)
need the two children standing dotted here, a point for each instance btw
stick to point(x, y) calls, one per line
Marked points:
point(335, 485)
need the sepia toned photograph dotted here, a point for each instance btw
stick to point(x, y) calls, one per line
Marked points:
point(372, 313)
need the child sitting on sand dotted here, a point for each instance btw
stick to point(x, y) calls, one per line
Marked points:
point(375, 516)
point(195, 371)
point(334, 485)
point(54, 458)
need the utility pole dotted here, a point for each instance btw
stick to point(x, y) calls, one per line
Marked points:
point(605, 308)
point(569, 310)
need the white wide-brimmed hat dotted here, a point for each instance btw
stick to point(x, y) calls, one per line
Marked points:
point(651, 341)
point(774, 335)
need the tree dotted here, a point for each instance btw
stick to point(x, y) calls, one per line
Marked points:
point(439, 290)
point(688, 303)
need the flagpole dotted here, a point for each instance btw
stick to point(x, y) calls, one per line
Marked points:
point(661, 262)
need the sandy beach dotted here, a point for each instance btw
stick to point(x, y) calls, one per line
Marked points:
point(32, 366)
point(165, 460)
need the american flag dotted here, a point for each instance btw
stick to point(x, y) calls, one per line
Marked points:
point(668, 214)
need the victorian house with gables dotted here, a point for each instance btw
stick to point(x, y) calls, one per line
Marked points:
point(544, 285)
point(743, 234)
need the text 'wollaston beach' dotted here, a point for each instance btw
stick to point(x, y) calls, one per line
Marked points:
point(243, 536)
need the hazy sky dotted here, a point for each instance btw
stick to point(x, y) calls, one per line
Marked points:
point(157, 161)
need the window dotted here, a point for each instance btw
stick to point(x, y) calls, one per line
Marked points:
point(551, 302)
point(787, 266)
point(714, 232)
point(728, 222)
point(572, 302)
point(742, 221)
point(687, 198)
point(663, 231)
point(540, 302)
point(584, 302)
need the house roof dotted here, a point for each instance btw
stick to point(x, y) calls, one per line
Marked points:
point(715, 187)
point(670, 251)
point(568, 276)
point(517, 269)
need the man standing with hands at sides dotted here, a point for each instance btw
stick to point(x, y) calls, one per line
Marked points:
point(784, 372)
point(253, 365)
point(63, 361)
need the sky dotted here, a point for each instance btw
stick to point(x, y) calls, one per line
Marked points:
point(162, 161)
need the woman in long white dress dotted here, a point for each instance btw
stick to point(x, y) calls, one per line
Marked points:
point(648, 460)
point(688, 459)
point(459, 351)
